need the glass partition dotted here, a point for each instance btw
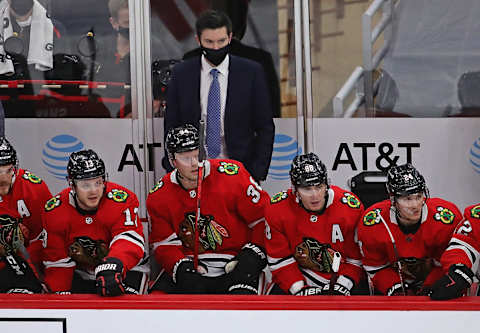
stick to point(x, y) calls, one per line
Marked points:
point(65, 59)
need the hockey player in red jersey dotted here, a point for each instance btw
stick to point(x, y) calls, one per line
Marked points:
point(94, 237)
point(461, 259)
point(402, 239)
point(231, 224)
point(310, 232)
point(22, 196)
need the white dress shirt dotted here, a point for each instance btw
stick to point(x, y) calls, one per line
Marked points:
point(205, 81)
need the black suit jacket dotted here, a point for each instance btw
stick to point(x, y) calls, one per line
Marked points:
point(264, 58)
point(248, 123)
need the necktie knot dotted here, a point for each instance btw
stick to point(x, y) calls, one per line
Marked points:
point(214, 73)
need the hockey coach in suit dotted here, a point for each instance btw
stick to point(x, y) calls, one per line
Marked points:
point(246, 128)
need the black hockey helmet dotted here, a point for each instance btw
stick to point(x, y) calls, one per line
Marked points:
point(11, 235)
point(8, 155)
point(308, 170)
point(181, 139)
point(404, 180)
point(85, 164)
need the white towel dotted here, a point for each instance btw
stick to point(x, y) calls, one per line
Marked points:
point(40, 50)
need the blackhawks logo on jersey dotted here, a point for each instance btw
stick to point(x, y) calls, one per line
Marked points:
point(211, 233)
point(157, 187)
point(475, 212)
point(444, 215)
point(52, 203)
point(31, 177)
point(117, 195)
point(350, 200)
point(228, 168)
point(372, 217)
point(279, 197)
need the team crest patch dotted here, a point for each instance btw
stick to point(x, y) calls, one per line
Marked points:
point(211, 232)
point(117, 195)
point(31, 177)
point(157, 187)
point(372, 217)
point(350, 200)
point(279, 197)
point(475, 212)
point(228, 168)
point(52, 203)
point(444, 215)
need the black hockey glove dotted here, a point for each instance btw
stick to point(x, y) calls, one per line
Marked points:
point(188, 280)
point(310, 291)
point(109, 277)
point(243, 271)
point(452, 285)
point(338, 289)
point(398, 290)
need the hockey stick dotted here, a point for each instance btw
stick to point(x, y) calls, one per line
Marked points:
point(397, 256)
point(201, 165)
point(337, 258)
point(22, 266)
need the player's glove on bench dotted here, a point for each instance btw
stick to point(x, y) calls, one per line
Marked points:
point(188, 280)
point(454, 284)
point(109, 277)
point(243, 271)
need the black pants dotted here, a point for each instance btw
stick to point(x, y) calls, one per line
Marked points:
point(214, 285)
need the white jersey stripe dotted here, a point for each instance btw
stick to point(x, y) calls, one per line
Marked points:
point(275, 263)
point(254, 223)
point(130, 236)
point(65, 262)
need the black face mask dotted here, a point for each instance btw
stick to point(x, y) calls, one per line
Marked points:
point(21, 7)
point(125, 32)
point(216, 56)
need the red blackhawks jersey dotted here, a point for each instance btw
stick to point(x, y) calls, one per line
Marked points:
point(292, 233)
point(115, 224)
point(418, 253)
point(232, 214)
point(464, 247)
point(27, 197)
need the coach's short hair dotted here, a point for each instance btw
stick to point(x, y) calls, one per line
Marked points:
point(213, 19)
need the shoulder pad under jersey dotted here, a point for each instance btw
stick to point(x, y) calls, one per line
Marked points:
point(53, 203)
point(117, 195)
point(157, 187)
point(228, 168)
point(31, 177)
point(372, 217)
point(350, 200)
point(475, 211)
point(279, 197)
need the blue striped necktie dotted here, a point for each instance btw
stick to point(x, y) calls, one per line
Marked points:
point(213, 117)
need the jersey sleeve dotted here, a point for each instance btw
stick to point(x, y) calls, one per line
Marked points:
point(352, 263)
point(284, 268)
point(58, 265)
point(166, 245)
point(127, 233)
point(375, 258)
point(251, 203)
point(464, 247)
point(34, 246)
